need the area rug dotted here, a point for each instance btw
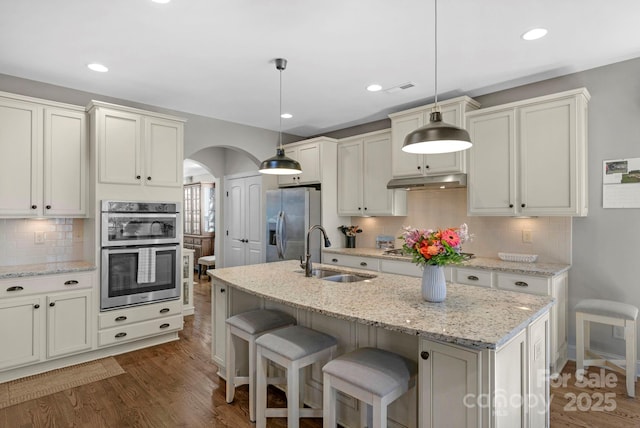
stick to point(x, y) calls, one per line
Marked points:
point(28, 388)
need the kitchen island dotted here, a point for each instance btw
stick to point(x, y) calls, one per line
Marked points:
point(479, 352)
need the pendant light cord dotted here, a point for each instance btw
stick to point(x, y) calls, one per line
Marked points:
point(435, 26)
point(280, 130)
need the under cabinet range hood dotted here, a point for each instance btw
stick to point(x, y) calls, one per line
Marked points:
point(449, 181)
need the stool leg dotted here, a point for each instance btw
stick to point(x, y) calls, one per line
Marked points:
point(630, 338)
point(293, 396)
point(379, 413)
point(365, 414)
point(261, 393)
point(199, 271)
point(231, 366)
point(580, 339)
point(329, 403)
point(252, 380)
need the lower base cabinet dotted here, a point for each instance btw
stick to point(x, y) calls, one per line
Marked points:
point(503, 388)
point(219, 314)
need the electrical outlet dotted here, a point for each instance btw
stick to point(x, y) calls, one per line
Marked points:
point(527, 237)
point(39, 237)
point(618, 332)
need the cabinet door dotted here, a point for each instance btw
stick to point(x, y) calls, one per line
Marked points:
point(21, 163)
point(220, 313)
point(309, 158)
point(69, 323)
point(547, 137)
point(163, 152)
point(20, 326)
point(377, 199)
point(119, 140)
point(446, 163)
point(65, 162)
point(448, 376)
point(350, 180)
point(405, 164)
point(491, 185)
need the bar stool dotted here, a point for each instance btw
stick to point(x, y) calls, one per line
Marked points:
point(612, 313)
point(249, 326)
point(292, 348)
point(207, 261)
point(374, 376)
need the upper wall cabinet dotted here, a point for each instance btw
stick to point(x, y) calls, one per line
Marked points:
point(137, 147)
point(363, 173)
point(43, 158)
point(529, 158)
point(309, 154)
point(411, 165)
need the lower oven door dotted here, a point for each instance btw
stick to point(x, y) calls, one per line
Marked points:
point(139, 275)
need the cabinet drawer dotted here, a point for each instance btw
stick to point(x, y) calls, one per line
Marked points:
point(45, 284)
point(481, 278)
point(188, 240)
point(139, 313)
point(367, 263)
point(524, 284)
point(139, 330)
point(400, 268)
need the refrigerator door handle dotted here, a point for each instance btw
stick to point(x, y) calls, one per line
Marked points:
point(279, 235)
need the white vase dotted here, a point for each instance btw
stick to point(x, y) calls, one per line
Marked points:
point(434, 286)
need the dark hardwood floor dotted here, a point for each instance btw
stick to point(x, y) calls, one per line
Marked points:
point(175, 385)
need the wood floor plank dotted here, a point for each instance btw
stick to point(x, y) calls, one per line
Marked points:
point(175, 385)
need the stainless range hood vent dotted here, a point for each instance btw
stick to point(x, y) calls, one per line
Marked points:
point(429, 182)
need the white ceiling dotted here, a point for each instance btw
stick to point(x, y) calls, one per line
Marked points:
point(214, 57)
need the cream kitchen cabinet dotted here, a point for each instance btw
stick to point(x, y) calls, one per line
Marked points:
point(308, 153)
point(219, 314)
point(529, 158)
point(244, 221)
point(49, 317)
point(137, 147)
point(359, 262)
point(363, 173)
point(411, 165)
point(43, 147)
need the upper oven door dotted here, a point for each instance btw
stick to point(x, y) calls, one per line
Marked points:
point(120, 229)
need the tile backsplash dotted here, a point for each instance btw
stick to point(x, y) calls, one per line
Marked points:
point(63, 241)
point(550, 236)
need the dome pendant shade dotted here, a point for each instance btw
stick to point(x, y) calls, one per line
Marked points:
point(280, 165)
point(436, 137)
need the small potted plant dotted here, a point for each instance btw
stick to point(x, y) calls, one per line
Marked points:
point(350, 233)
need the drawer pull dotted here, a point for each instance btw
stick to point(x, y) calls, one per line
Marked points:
point(363, 263)
point(15, 288)
point(334, 260)
point(164, 310)
point(521, 284)
point(71, 282)
point(165, 325)
point(473, 278)
point(123, 334)
point(121, 318)
point(424, 355)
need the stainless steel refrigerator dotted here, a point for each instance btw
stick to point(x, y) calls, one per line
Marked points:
point(290, 213)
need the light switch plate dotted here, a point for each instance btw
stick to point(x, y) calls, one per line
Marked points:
point(527, 236)
point(39, 238)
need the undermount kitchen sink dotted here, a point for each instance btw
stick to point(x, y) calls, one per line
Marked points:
point(337, 276)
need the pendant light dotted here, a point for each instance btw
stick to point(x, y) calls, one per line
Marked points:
point(437, 136)
point(280, 164)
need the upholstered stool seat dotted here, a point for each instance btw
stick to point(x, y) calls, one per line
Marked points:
point(208, 261)
point(292, 348)
point(612, 313)
point(374, 376)
point(249, 326)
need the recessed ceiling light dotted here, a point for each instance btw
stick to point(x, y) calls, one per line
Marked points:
point(286, 115)
point(374, 87)
point(535, 34)
point(97, 67)
point(161, 1)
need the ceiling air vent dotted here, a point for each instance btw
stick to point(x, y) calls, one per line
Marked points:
point(400, 87)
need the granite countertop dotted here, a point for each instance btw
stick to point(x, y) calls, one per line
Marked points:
point(37, 269)
point(474, 317)
point(488, 263)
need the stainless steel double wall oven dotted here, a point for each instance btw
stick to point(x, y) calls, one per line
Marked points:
point(141, 256)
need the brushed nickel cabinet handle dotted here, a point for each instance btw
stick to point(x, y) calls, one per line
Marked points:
point(120, 318)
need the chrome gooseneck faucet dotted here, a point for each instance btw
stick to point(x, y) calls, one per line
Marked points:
point(307, 265)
